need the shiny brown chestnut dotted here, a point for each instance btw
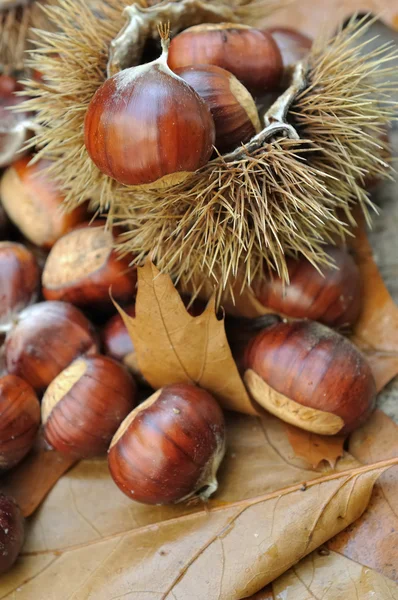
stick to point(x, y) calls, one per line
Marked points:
point(19, 281)
point(47, 337)
point(85, 404)
point(293, 45)
point(332, 297)
point(14, 126)
point(83, 266)
point(231, 105)
point(19, 420)
point(34, 203)
point(117, 343)
point(176, 131)
point(170, 447)
point(249, 54)
point(12, 532)
point(310, 376)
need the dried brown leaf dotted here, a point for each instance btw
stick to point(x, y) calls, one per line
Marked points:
point(330, 576)
point(31, 481)
point(172, 346)
point(376, 331)
point(89, 541)
point(315, 448)
point(372, 541)
point(275, 530)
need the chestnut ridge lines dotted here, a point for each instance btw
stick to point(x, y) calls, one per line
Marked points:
point(239, 215)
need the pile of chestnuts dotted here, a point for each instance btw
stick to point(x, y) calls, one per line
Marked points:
point(68, 368)
point(198, 97)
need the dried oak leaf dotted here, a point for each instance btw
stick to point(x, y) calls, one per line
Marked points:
point(88, 541)
point(172, 346)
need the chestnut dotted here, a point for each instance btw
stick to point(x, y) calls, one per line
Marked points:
point(170, 447)
point(19, 281)
point(176, 132)
point(12, 532)
point(232, 107)
point(332, 296)
point(47, 337)
point(249, 54)
point(117, 343)
point(33, 202)
point(310, 376)
point(19, 420)
point(82, 267)
point(85, 404)
point(14, 127)
point(293, 45)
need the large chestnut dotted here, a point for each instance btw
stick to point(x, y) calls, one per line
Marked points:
point(175, 135)
point(46, 338)
point(83, 266)
point(331, 296)
point(310, 376)
point(34, 203)
point(19, 281)
point(232, 107)
point(12, 532)
point(19, 420)
point(14, 127)
point(84, 406)
point(249, 54)
point(170, 447)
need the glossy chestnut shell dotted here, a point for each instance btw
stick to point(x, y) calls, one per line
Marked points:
point(83, 267)
point(170, 447)
point(38, 213)
point(85, 404)
point(232, 107)
point(46, 339)
point(332, 296)
point(315, 367)
point(19, 281)
point(19, 420)
point(249, 54)
point(175, 133)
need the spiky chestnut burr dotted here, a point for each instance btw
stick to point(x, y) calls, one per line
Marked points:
point(280, 194)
